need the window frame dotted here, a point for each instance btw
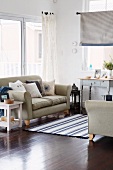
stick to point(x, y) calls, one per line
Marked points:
point(23, 19)
point(85, 67)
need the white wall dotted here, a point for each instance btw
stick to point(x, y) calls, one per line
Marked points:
point(26, 7)
point(68, 30)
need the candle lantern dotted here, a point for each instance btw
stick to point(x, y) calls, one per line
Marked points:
point(75, 99)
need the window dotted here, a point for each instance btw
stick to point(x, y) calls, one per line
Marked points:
point(95, 56)
point(20, 46)
point(33, 48)
point(10, 48)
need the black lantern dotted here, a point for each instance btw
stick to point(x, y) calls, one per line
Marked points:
point(75, 99)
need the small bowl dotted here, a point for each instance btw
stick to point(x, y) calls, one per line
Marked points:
point(88, 77)
point(9, 101)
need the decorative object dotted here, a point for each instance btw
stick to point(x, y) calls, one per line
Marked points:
point(109, 66)
point(104, 74)
point(75, 99)
point(74, 50)
point(73, 126)
point(74, 87)
point(109, 74)
point(88, 77)
point(38, 84)
point(74, 43)
point(17, 86)
point(4, 96)
point(97, 73)
point(32, 89)
point(49, 88)
point(8, 101)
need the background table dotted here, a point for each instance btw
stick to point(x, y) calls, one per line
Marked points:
point(102, 82)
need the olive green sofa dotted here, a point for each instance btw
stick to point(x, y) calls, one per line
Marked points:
point(37, 107)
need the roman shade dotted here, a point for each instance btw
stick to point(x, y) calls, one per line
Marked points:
point(96, 28)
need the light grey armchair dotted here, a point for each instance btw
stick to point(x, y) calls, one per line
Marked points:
point(100, 118)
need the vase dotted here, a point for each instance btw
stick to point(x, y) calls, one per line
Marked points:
point(109, 74)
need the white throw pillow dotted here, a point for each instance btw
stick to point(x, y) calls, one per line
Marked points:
point(32, 89)
point(17, 86)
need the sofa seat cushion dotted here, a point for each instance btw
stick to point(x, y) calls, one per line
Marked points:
point(38, 103)
point(56, 99)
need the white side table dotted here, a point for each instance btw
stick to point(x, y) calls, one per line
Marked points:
point(7, 112)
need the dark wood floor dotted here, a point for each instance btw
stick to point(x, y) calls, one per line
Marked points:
point(23, 150)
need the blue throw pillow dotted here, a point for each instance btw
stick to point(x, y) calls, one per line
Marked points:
point(4, 89)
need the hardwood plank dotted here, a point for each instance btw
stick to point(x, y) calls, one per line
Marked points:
point(20, 149)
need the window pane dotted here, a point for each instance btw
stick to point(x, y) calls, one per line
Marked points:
point(33, 48)
point(95, 56)
point(98, 5)
point(10, 48)
point(109, 4)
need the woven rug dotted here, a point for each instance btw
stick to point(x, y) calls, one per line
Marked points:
point(73, 126)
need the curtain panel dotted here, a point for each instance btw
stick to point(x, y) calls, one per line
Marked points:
point(96, 28)
point(49, 70)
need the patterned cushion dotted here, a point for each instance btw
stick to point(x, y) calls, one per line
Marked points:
point(38, 84)
point(49, 88)
point(38, 103)
point(17, 86)
point(32, 89)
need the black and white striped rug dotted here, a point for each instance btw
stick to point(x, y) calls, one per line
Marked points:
point(73, 126)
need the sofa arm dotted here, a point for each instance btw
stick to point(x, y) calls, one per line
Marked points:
point(17, 95)
point(25, 97)
point(100, 117)
point(98, 107)
point(63, 90)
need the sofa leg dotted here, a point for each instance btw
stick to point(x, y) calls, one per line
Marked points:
point(91, 136)
point(27, 122)
point(66, 112)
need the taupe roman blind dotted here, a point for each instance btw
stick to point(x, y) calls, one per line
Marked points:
point(96, 28)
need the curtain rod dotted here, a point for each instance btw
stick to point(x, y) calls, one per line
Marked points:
point(46, 13)
point(78, 13)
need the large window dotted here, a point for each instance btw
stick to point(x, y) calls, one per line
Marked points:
point(20, 46)
point(10, 48)
point(95, 56)
point(33, 48)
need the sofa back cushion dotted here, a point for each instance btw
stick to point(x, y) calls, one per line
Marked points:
point(5, 81)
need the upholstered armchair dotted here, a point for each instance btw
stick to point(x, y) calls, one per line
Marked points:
point(100, 118)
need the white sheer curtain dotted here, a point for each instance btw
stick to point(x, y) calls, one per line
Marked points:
point(49, 70)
